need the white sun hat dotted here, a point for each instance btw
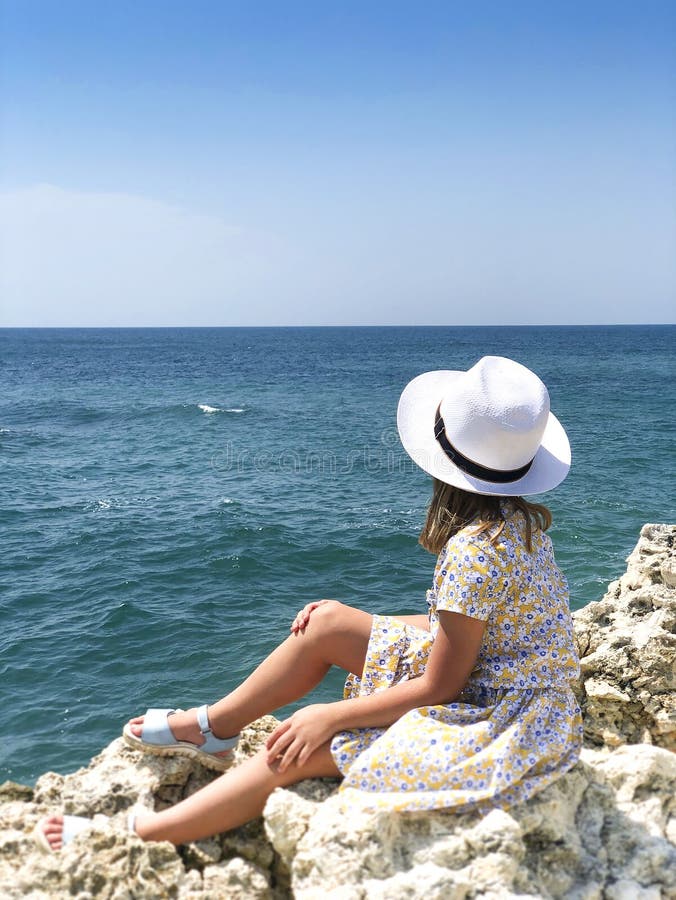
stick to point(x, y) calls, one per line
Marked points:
point(488, 430)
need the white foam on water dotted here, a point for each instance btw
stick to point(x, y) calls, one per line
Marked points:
point(118, 502)
point(214, 409)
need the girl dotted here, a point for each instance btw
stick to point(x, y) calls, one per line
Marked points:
point(469, 706)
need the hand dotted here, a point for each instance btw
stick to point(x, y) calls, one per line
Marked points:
point(303, 617)
point(296, 739)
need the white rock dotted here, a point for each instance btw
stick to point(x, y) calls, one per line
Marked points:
point(605, 831)
point(627, 644)
point(601, 690)
point(631, 890)
point(668, 571)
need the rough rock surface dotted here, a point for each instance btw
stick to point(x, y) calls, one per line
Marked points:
point(605, 831)
point(627, 646)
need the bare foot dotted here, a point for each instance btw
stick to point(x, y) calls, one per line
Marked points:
point(54, 832)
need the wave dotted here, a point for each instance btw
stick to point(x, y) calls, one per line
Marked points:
point(99, 503)
point(56, 411)
point(24, 420)
point(216, 409)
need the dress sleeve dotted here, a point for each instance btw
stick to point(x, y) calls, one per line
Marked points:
point(472, 579)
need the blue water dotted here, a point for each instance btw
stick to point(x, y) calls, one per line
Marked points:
point(170, 497)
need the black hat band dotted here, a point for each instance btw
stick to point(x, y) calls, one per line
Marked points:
point(467, 465)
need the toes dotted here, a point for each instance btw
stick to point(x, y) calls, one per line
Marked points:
point(55, 843)
point(136, 726)
point(52, 829)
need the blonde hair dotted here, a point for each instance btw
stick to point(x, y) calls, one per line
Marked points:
point(452, 509)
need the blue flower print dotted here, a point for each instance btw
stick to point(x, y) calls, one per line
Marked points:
point(516, 725)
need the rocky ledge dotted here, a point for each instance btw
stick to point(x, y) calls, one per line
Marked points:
point(606, 830)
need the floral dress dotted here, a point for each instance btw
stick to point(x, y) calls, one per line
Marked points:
point(515, 727)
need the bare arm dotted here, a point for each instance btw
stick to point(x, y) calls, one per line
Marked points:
point(453, 655)
point(454, 652)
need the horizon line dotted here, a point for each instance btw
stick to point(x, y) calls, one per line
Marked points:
point(384, 325)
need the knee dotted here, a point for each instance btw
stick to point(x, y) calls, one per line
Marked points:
point(327, 619)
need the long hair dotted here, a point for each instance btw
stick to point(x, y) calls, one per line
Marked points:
point(452, 509)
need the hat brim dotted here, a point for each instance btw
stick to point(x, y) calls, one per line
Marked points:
point(415, 422)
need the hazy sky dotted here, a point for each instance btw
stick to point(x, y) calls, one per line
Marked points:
point(420, 162)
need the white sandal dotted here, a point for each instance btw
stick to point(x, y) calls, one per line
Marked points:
point(74, 825)
point(157, 738)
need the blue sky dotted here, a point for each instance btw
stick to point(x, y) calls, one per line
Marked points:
point(250, 163)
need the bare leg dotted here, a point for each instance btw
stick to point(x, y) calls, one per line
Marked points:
point(335, 635)
point(229, 801)
point(421, 622)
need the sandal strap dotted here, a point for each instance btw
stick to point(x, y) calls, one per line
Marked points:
point(203, 720)
point(74, 825)
point(156, 728)
point(213, 744)
point(219, 745)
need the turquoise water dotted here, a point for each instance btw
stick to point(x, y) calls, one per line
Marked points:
point(170, 497)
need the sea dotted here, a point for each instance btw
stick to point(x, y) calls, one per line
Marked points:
point(170, 497)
